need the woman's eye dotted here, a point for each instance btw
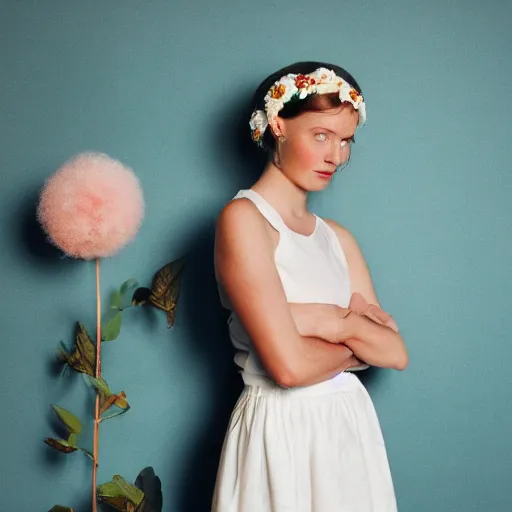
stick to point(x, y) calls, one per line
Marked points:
point(321, 137)
point(345, 143)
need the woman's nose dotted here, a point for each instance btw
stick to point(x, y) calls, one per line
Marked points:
point(335, 155)
point(339, 153)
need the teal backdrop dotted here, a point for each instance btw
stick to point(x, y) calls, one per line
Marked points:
point(164, 87)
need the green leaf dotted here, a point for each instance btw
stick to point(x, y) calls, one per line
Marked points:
point(128, 285)
point(122, 298)
point(129, 490)
point(83, 358)
point(112, 328)
point(66, 447)
point(121, 402)
point(117, 300)
point(109, 490)
point(109, 399)
point(125, 293)
point(60, 508)
point(165, 290)
point(69, 419)
point(101, 385)
point(72, 439)
point(120, 494)
point(60, 445)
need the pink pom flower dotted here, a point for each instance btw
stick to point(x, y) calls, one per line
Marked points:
point(91, 207)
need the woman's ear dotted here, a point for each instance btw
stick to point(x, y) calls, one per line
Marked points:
point(278, 127)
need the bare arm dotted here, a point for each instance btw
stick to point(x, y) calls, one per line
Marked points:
point(318, 320)
point(370, 341)
point(244, 259)
point(324, 321)
point(378, 345)
point(375, 344)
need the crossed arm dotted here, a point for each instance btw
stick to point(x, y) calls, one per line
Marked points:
point(299, 344)
point(370, 333)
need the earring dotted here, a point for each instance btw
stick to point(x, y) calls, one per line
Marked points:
point(276, 160)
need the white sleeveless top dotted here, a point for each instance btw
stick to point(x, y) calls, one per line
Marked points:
point(312, 268)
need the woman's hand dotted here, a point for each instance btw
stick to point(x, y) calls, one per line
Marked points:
point(359, 305)
point(332, 323)
point(370, 333)
point(343, 328)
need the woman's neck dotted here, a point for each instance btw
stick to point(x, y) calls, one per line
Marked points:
point(281, 193)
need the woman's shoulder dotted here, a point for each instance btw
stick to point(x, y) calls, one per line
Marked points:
point(241, 233)
point(341, 231)
point(241, 218)
point(238, 211)
point(249, 212)
point(238, 214)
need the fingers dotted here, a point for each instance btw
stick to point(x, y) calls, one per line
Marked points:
point(381, 317)
point(359, 305)
point(376, 313)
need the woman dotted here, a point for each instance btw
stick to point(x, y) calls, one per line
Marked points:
point(304, 435)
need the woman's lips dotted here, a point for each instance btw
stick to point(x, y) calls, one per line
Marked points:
point(324, 174)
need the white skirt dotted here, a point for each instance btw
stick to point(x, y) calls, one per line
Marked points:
point(313, 449)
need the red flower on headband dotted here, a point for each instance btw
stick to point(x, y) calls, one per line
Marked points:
point(303, 82)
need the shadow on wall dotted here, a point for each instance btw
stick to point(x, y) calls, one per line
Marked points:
point(201, 311)
point(233, 151)
point(231, 147)
point(32, 239)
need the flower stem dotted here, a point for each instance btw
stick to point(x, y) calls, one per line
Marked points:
point(98, 376)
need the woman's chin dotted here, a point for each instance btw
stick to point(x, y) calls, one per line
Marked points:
point(317, 185)
point(314, 182)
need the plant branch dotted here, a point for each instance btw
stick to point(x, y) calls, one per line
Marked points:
point(98, 376)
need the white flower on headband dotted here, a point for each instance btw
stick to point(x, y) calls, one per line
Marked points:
point(292, 86)
point(258, 124)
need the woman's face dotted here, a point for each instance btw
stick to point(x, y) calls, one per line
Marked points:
point(315, 144)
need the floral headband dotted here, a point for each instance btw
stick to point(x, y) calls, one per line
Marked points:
point(297, 87)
